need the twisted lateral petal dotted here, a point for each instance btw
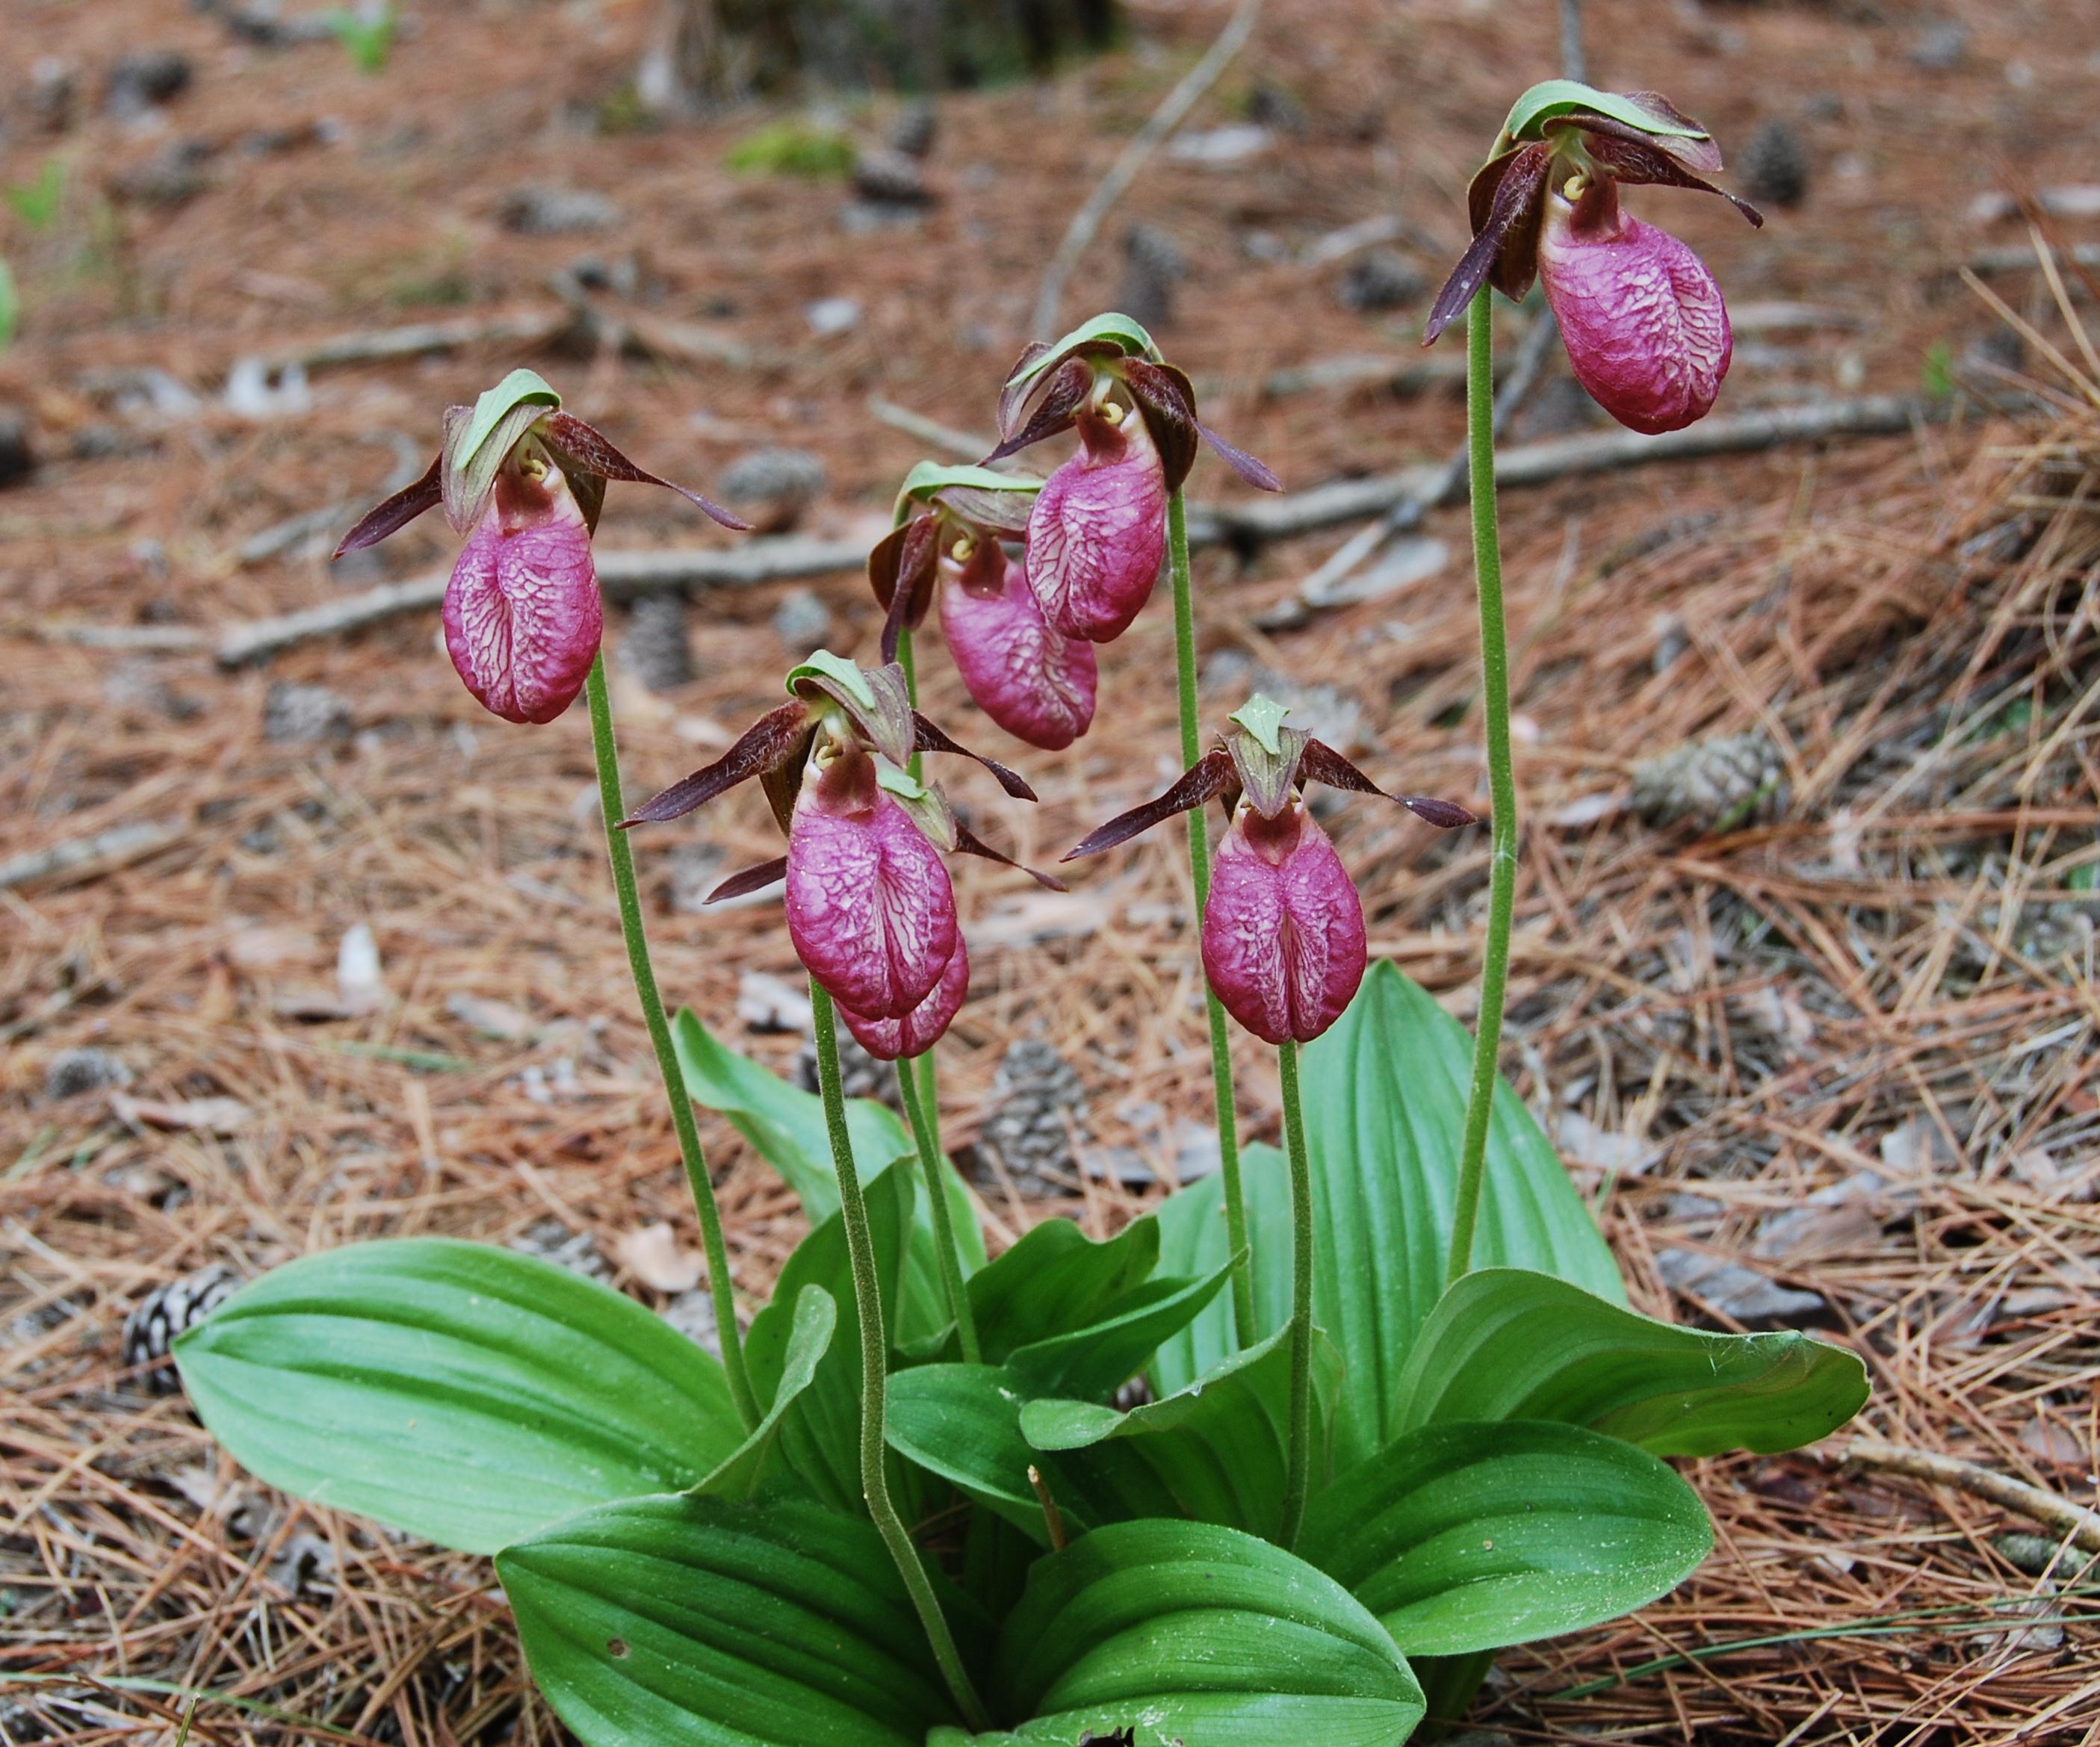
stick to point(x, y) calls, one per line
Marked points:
point(522, 617)
point(920, 1030)
point(869, 908)
point(1646, 329)
point(1029, 677)
point(1283, 931)
point(1097, 535)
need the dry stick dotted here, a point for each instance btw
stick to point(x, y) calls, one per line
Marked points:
point(2080, 1525)
point(1574, 63)
point(82, 858)
point(1043, 321)
point(624, 575)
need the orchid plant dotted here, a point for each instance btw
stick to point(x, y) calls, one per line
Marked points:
point(1290, 1456)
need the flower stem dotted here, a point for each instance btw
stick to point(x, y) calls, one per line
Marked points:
point(1199, 873)
point(1502, 779)
point(1298, 1448)
point(916, 1080)
point(918, 1104)
point(874, 1380)
point(621, 855)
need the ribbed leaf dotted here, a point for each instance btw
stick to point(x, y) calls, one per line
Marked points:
point(1506, 1343)
point(1057, 1278)
point(464, 1393)
point(1098, 1359)
point(698, 1622)
point(759, 1466)
point(1186, 1633)
point(1192, 1237)
point(1469, 1536)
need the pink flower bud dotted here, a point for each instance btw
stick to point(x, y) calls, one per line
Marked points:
point(1097, 534)
point(1283, 931)
point(869, 908)
point(1645, 328)
point(522, 617)
point(1031, 679)
point(920, 1030)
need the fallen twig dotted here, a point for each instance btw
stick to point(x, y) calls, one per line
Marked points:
point(84, 857)
point(964, 445)
point(1147, 140)
point(372, 344)
point(2080, 1525)
point(621, 575)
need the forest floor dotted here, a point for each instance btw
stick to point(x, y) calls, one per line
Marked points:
point(1822, 1052)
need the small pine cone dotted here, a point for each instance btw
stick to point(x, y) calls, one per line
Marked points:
point(658, 650)
point(889, 177)
point(773, 487)
point(860, 1075)
point(1775, 166)
point(1037, 1108)
point(1153, 264)
point(1716, 785)
point(167, 1312)
point(916, 130)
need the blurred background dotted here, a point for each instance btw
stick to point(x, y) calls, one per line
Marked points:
point(298, 946)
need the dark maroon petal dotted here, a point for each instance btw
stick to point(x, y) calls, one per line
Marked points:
point(594, 450)
point(929, 739)
point(396, 512)
point(920, 1030)
point(1202, 781)
point(1066, 392)
point(1015, 393)
point(1283, 938)
point(1694, 151)
point(1254, 472)
point(1504, 198)
point(772, 740)
point(1167, 399)
point(967, 842)
point(1638, 160)
point(1320, 763)
point(751, 880)
point(902, 571)
point(522, 618)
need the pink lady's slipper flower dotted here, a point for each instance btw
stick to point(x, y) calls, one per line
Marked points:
point(1284, 943)
point(1029, 677)
point(1644, 324)
point(1097, 534)
point(870, 907)
point(523, 481)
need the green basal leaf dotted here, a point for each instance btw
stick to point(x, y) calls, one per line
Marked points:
point(1385, 1110)
point(1558, 97)
point(783, 1122)
point(1216, 1449)
point(1098, 1359)
point(1263, 716)
point(927, 477)
point(1188, 1634)
point(1057, 1278)
point(709, 1623)
point(1126, 335)
point(821, 1441)
point(1469, 1536)
point(466, 1394)
point(520, 388)
point(759, 1466)
point(824, 671)
point(961, 1422)
point(1506, 1344)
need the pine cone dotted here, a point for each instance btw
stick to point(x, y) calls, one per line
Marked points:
point(657, 650)
point(1717, 785)
point(1775, 166)
point(860, 1075)
point(1037, 1108)
point(167, 1312)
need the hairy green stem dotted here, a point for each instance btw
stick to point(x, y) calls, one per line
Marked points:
point(874, 1377)
point(919, 1083)
point(1502, 779)
point(1298, 1447)
point(1199, 873)
point(621, 855)
point(918, 1100)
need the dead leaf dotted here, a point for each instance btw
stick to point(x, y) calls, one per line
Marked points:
point(655, 1257)
point(358, 981)
point(205, 1115)
point(492, 1019)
